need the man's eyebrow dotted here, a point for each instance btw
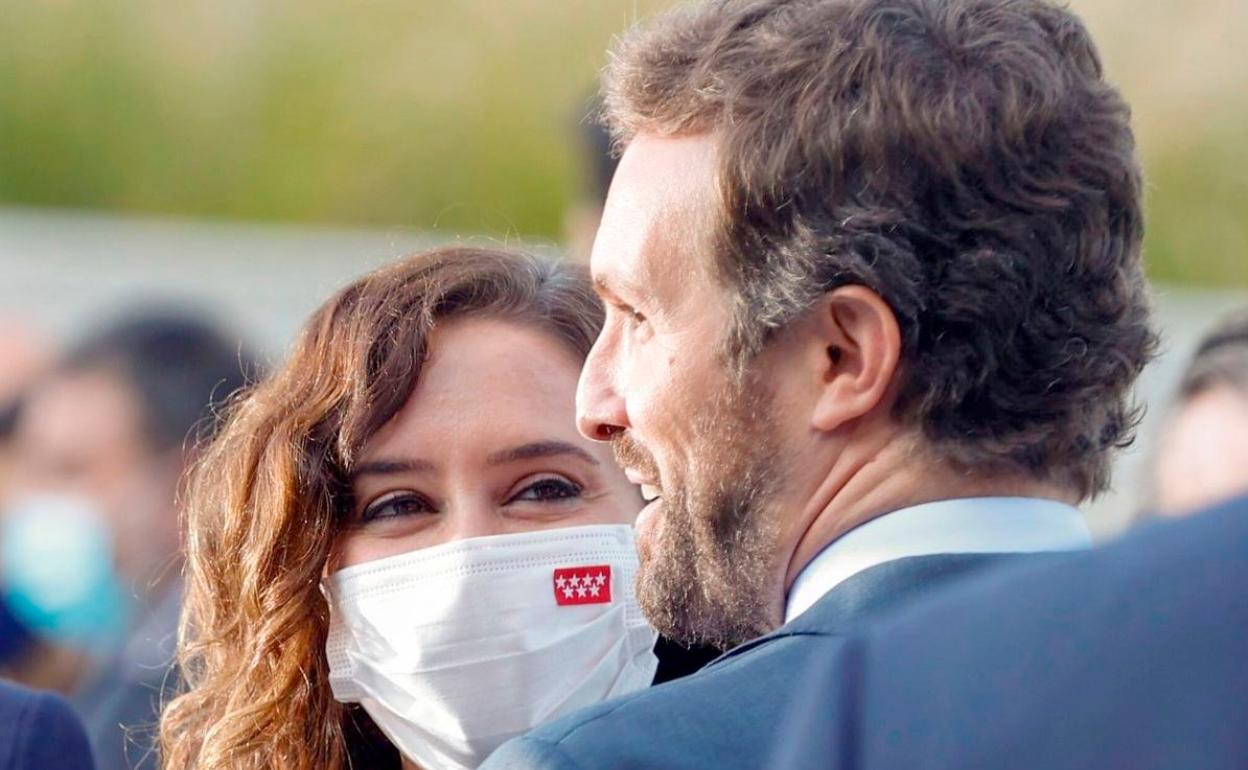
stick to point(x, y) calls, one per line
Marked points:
point(538, 449)
point(602, 287)
point(391, 467)
point(611, 291)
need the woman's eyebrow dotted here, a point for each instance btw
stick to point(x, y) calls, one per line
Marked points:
point(391, 467)
point(539, 449)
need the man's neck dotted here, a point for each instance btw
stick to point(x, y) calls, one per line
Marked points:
point(872, 479)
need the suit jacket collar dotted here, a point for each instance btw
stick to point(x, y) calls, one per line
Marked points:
point(963, 525)
point(875, 590)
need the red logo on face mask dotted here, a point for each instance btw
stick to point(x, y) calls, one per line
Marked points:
point(583, 585)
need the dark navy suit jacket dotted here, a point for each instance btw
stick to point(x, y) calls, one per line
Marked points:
point(1132, 656)
point(727, 715)
point(39, 731)
point(1135, 656)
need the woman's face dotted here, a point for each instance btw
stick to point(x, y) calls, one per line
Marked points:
point(486, 445)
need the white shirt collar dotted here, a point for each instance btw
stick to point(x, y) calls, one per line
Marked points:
point(967, 525)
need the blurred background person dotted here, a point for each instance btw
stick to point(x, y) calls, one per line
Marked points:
point(598, 162)
point(24, 352)
point(89, 551)
point(39, 731)
point(1202, 457)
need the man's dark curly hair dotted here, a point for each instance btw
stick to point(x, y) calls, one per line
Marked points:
point(966, 160)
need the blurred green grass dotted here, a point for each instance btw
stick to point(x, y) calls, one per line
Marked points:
point(460, 117)
point(1197, 210)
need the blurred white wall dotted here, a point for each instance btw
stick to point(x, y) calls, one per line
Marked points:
point(66, 270)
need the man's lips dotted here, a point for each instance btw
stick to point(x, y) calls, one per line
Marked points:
point(652, 495)
point(647, 520)
point(650, 490)
point(637, 477)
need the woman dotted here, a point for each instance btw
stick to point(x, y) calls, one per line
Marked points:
point(405, 517)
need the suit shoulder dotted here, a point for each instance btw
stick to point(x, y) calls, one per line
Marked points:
point(750, 670)
point(720, 712)
point(41, 730)
point(530, 752)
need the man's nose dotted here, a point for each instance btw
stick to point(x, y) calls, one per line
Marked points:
point(600, 410)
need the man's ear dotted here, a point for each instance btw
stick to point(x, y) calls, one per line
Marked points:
point(861, 346)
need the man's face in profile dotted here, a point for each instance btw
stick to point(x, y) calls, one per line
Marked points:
point(701, 443)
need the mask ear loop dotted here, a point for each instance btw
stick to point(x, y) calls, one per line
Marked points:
point(341, 667)
point(641, 635)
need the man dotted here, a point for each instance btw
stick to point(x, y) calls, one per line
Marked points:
point(90, 537)
point(1203, 453)
point(874, 306)
point(39, 731)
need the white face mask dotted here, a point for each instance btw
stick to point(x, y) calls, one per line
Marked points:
point(454, 649)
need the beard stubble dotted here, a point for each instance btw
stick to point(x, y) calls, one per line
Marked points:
point(706, 572)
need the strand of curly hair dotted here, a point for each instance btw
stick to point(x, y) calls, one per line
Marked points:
point(254, 621)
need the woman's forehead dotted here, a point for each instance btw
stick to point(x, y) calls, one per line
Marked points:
point(487, 383)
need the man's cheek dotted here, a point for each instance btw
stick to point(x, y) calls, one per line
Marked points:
point(657, 393)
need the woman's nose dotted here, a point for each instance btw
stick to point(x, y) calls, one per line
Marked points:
point(473, 519)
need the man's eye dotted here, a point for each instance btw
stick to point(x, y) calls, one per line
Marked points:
point(547, 490)
point(398, 504)
point(634, 316)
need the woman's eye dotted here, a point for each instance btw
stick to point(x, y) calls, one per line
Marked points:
point(548, 490)
point(401, 504)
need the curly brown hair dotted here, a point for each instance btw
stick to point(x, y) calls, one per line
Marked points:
point(964, 159)
point(267, 497)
